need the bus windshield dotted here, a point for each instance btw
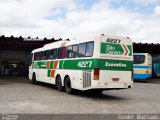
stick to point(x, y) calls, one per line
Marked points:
point(139, 59)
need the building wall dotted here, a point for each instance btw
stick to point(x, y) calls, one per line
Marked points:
point(7, 54)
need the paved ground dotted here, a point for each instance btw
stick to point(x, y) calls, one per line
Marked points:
point(18, 95)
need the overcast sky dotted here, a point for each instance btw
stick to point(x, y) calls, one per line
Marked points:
point(138, 19)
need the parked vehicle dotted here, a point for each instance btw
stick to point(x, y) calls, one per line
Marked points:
point(142, 66)
point(96, 62)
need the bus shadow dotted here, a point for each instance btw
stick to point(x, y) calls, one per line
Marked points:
point(141, 81)
point(149, 81)
point(46, 85)
point(87, 94)
point(102, 96)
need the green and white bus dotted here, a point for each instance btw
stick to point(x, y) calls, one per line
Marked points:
point(99, 62)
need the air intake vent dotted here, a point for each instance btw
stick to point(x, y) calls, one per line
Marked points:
point(86, 79)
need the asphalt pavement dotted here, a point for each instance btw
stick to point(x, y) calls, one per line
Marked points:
point(19, 96)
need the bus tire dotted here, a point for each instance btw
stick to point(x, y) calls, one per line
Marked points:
point(68, 86)
point(59, 84)
point(34, 81)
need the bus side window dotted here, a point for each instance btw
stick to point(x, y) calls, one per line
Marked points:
point(82, 50)
point(39, 56)
point(53, 54)
point(35, 54)
point(69, 52)
point(89, 49)
point(74, 52)
point(62, 53)
point(46, 55)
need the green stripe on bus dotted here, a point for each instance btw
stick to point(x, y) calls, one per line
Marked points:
point(49, 73)
point(81, 64)
point(103, 64)
point(51, 64)
point(90, 64)
point(40, 64)
point(118, 65)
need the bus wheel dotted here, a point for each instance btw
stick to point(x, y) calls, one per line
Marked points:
point(34, 79)
point(59, 83)
point(67, 85)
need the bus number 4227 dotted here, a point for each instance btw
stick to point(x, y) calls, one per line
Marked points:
point(85, 64)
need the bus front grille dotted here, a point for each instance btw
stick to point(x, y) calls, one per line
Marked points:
point(86, 79)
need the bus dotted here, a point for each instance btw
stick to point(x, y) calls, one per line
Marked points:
point(142, 66)
point(95, 63)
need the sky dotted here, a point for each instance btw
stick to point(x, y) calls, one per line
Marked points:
point(137, 19)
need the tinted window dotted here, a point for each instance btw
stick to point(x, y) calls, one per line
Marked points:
point(82, 50)
point(89, 49)
point(53, 54)
point(38, 56)
point(139, 59)
point(69, 52)
point(74, 52)
point(62, 53)
point(46, 55)
point(41, 55)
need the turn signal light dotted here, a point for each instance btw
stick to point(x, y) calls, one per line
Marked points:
point(96, 73)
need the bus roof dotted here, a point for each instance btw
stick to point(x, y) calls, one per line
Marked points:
point(76, 41)
point(65, 42)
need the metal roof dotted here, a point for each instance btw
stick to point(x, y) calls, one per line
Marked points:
point(20, 43)
point(152, 48)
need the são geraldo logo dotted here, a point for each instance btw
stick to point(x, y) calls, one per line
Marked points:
point(112, 50)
